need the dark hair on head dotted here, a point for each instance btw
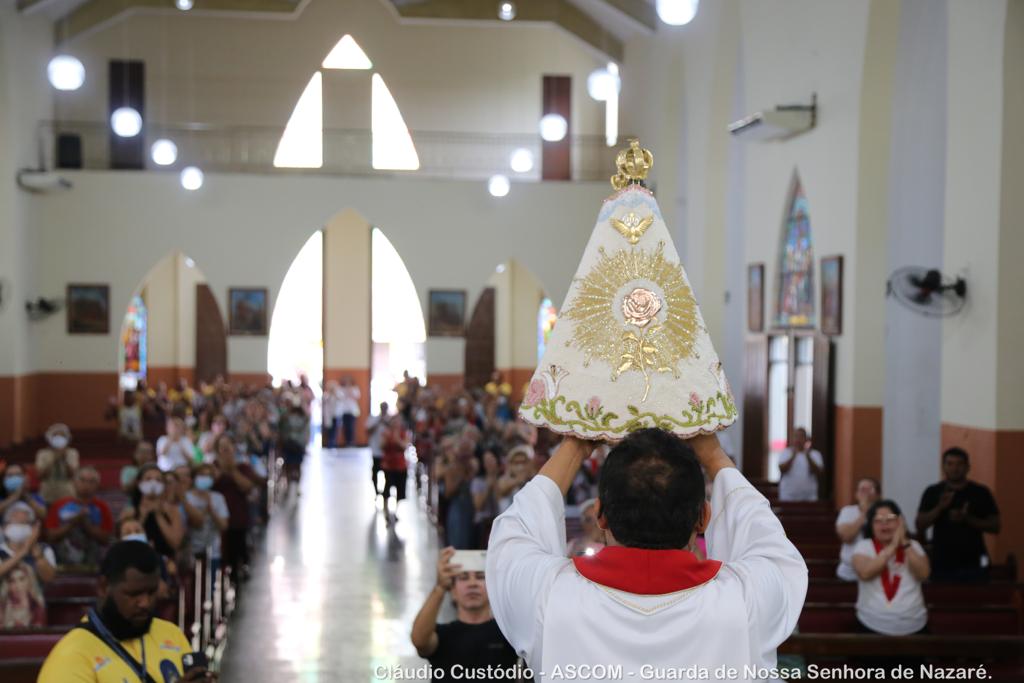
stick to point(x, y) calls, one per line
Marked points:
point(956, 452)
point(652, 491)
point(221, 437)
point(125, 555)
point(873, 510)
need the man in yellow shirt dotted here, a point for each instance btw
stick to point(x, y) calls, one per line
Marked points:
point(121, 641)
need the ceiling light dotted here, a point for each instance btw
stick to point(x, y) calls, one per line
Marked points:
point(498, 185)
point(164, 152)
point(183, 5)
point(126, 122)
point(191, 178)
point(553, 127)
point(522, 160)
point(65, 72)
point(677, 12)
point(603, 84)
point(507, 11)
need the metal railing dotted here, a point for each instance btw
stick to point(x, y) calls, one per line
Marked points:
point(251, 149)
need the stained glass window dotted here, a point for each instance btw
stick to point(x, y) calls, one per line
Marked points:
point(133, 343)
point(546, 317)
point(795, 300)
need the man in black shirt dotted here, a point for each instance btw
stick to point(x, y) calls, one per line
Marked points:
point(473, 641)
point(962, 512)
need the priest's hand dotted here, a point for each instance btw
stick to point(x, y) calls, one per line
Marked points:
point(710, 454)
point(446, 572)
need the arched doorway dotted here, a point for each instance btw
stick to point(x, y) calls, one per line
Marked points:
point(296, 342)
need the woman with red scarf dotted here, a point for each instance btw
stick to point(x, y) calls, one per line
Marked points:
point(890, 568)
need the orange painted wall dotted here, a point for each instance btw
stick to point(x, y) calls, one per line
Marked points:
point(31, 403)
point(858, 448)
point(446, 383)
point(361, 376)
point(997, 461)
point(257, 379)
point(170, 375)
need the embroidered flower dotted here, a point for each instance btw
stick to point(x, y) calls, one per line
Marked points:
point(593, 406)
point(552, 378)
point(694, 400)
point(640, 306)
point(535, 394)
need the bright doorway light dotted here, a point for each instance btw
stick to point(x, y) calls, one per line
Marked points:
point(398, 331)
point(296, 342)
point(347, 55)
point(184, 5)
point(126, 122)
point(302, 143)
point(65, 72)
point(677, 12)
point(393, 148)
point(521, 160)
point(553, 127)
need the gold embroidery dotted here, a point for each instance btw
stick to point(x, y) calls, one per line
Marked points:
point(657, 346)
point(632, 227)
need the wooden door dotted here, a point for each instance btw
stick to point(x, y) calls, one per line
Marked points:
point(755, 408)
point(479, 362)
point(556, 157)
point(211, 337)
point(823, 411)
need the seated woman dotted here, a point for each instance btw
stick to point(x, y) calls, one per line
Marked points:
point(25, 564)
point(850, 524)
point(890, 568)
point(15, 490)
point(144, 453)
point(56, 466)
point(161, 518)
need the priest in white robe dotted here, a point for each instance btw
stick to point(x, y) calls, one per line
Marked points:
point(645, 602)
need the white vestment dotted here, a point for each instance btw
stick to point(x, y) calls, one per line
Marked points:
point(555, 618)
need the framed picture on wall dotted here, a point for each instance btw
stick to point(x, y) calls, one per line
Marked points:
point(447, 312)
point(755, 297)
point(832, 295)
point(88, 309)
point(247, 311)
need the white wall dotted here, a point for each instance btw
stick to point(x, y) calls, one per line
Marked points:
point(246, 230)
point(237, 69)
point(24, 99)
point(913, 343)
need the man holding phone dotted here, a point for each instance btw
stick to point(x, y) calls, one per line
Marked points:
point(473, 641)
point(120, 640)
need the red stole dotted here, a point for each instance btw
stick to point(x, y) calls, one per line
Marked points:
point(890, 584)
point(646, 572)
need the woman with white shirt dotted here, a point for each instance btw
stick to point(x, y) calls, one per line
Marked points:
point(890, 568)
point(850, 525)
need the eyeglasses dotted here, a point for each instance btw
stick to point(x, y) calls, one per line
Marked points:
point(882, 519)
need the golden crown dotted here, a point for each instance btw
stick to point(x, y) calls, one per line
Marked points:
point(633, 163)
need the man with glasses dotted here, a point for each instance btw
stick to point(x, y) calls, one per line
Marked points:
point(80, 526)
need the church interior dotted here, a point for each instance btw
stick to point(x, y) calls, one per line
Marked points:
point(344, 233)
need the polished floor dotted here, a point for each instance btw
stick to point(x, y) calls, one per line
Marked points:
point(334, 590)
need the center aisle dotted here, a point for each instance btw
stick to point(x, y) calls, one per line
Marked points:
point(334, 591)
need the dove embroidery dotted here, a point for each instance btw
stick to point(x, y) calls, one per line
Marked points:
point(632, 227)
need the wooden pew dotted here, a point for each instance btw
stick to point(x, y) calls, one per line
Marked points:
point(995, 593)
point(942, 619)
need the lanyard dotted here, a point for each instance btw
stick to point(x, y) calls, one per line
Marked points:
point(115, 645)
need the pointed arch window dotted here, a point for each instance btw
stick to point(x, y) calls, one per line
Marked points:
point(794, 302)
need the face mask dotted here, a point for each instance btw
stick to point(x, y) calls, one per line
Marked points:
point(13, 482)
point(59, 441)
point(121, 628)
point(17, 533)
point(204, 482)
point(135, 537)
point(151, 487)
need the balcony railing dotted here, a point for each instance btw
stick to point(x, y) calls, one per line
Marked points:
point(251, 149)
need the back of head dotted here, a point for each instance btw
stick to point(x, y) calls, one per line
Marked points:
point(652, 490)
point(126, 555)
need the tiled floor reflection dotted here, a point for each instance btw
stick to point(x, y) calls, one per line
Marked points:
point(334, 591)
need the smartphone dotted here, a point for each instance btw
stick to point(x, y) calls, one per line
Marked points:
point(194, 660)
point(471, 560)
